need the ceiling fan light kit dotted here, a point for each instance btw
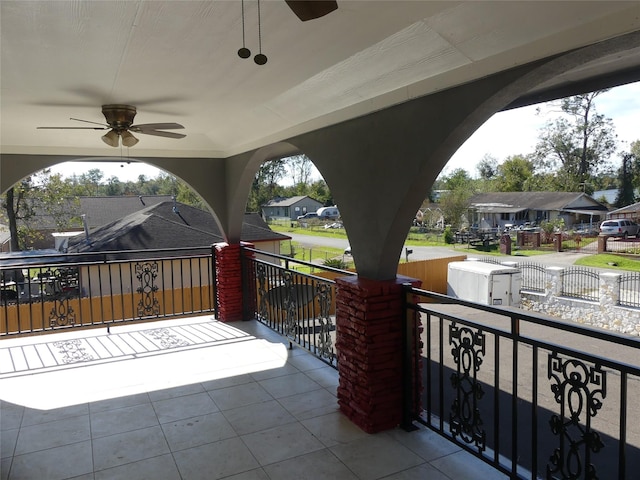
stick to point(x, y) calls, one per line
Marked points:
point(111, 138)
point(128, 140)
point(120, 124)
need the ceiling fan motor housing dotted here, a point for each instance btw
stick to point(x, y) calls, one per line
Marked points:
point(119, 117)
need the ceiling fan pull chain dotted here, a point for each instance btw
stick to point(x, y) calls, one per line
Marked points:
point(244, 52)
point(260, 58)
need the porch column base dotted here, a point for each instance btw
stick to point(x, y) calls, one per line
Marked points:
point(228, 288)
point(369, 334)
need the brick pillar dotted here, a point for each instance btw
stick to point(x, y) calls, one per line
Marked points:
point(536, 239)
point(602, 243)
point(557, 241)
point(229, 281)
point(369, 344)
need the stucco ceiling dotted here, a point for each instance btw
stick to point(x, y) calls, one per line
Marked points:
point(177, 61)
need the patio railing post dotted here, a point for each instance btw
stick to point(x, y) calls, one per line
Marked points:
point(214, 279)
point(410, 376)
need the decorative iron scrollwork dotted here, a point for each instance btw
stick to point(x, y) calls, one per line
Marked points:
point(579, 389)
point(261, 274)
point(59, 285)
point(290, 305)
point(468, 351)
point(325, 343)
point(61, 314)
point(146, 273)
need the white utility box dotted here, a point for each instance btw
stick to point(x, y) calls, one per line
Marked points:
point(484, 283)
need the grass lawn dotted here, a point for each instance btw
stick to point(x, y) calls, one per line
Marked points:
point(610, 260)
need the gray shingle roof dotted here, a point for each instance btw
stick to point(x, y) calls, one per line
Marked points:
point(103, 210)
point(98, 210)
point(160, 227)
point(535, 200)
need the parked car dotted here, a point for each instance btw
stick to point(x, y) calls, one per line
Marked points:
point(619, 228)
point(308, 216)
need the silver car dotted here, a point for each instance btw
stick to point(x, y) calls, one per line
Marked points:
point(619, 228)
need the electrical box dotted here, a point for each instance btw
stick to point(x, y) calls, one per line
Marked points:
point(484, 283)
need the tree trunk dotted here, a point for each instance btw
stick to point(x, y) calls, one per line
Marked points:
point(11, 215)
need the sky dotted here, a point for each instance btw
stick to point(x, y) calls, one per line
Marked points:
point(506, 133)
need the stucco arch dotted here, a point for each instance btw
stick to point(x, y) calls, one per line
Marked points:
point(241, 171)
point(381, 166)
point(204, 176)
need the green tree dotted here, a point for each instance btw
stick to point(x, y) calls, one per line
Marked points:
point(635, 152)
point(265, 184)
point(487, 167)
point(626, 194)
point(14, 204)
point(455, 201)
point(577, 146)
point(42, 193)
point(514, 175)
point(300, 168)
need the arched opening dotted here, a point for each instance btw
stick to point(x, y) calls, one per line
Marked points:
point(86, 194)
point(291, 195)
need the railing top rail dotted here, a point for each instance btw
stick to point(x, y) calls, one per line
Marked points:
point(540, 343)
point(523, 316)
point(302, 274)
point(300, 262)
point(88, 258)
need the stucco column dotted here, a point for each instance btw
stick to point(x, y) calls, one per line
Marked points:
point(228, 271)
point(369, 333)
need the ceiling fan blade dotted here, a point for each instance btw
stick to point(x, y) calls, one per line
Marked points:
point(89, 121)
point(310, 10)
point(72, 128)
point(155, 126)
point(159, 133)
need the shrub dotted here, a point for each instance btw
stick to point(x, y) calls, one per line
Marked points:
point(335, 263)
point(448, 235)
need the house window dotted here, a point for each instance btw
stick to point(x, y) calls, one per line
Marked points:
point(297, 209)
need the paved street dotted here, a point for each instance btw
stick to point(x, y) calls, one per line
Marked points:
point(562, 259)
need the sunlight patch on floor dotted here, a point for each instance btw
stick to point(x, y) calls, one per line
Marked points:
point(139, 370)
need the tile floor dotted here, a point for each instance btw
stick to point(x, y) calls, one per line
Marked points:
point(236, 404)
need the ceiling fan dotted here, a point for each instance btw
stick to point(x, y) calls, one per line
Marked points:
point(120, 125)
point(310, 10)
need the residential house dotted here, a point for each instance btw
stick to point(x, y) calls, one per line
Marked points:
point(631, 212)
point(94, 211)
point(169, 225)
point(289, 208)
point(499, 209)
point(166, 225)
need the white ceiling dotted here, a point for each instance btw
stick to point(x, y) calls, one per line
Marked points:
point(177, 61)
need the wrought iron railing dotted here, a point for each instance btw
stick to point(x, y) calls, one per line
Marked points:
point(50, 292)
point(533, 397)
point(300, 306)
point(580, 282)
point(533, 277)
point(630, 290)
